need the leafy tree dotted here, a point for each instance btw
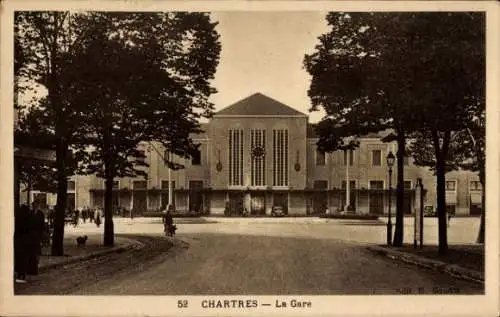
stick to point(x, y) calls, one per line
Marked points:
point(376, 71)
point(43, 40)
point(466, 152)
point(139, 77)
point(362, 81)
point(451, 87)
point(36, 174)
point(477, 138)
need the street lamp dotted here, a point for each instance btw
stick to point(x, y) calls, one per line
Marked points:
point(390, 164)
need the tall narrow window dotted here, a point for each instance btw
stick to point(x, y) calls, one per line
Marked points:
point(351, 157)
point(376, 158)
point(236, 157)
point(320, 158)
point(196, 157)
point(258, 162)
point(450, 185)
point(142, 156)
point(280, 157)
point(71, 185)
point(475, 185)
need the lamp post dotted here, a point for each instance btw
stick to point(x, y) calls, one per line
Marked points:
point(390, 164)
point(347, 182)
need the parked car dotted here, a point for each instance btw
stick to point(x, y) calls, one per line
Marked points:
point(429, 211)
point(277, 211)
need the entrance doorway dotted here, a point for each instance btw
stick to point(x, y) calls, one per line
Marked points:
point(320, 197)
point(236, 203)
point(281, 199)
point(71, 201)
point(376, 197)
point(258, 204)
point(195, 196)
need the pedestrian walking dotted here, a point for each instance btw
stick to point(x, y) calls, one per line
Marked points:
point(84, 214)
point(90, 213)
point(97, 216)
point(76, 216)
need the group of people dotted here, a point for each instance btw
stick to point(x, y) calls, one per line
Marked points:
point(30, 229)
point(93, 215)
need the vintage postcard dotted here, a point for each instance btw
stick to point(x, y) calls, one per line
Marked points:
point(249, 158)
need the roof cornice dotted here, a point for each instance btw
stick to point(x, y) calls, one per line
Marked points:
point(257, 116)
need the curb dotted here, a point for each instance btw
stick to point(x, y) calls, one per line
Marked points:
point(132, 244)
point(451, 269)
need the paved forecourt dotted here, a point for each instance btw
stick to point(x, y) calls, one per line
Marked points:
point(254, 257)
point(460, 230)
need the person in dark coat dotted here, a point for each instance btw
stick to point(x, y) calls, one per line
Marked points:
point(90, 214)
point(76, 217)
point(97, 216)
point(42, 228)
point(84, 214)
point(50, 218)
point(168, 220)
point(34, 245)
point(20, 243)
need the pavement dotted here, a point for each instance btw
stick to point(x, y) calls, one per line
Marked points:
point(322, 256)
point(93, 248)
point(457, 262)
point(229, 264)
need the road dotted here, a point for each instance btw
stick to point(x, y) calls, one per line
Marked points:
point(229, 260)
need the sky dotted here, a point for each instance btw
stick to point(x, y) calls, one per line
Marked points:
point(264, 52)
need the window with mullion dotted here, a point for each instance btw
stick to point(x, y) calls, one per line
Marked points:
point(280, 157)
point(235, 157)
point(257, 145)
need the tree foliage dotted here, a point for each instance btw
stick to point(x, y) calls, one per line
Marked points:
point(401, 71)
point(362, 81)
point(139, 77)
point(43, 40)
point(114, 80)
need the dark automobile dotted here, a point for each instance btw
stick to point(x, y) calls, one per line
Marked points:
point(277, 211)
point(429, 211)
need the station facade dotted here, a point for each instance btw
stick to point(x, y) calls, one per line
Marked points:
point(259, 153)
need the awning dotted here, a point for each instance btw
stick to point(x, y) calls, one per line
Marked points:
point(451, 198)
point(475, 198)
point(37, 154)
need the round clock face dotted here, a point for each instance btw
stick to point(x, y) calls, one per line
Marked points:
point(258, 151)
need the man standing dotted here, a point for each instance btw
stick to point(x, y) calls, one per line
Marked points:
point(168, 221)
point(97, 216)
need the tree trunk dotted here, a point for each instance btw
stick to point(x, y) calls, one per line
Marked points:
point(28, 194)
point(480, 235)
point(62, 187)
point(399, 230)
point(109, 234)
point(441, 205)
point(17, 184)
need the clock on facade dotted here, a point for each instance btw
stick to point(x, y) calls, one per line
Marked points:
point(258, 151)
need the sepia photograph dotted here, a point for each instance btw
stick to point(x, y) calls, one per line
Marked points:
point(249, 160)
